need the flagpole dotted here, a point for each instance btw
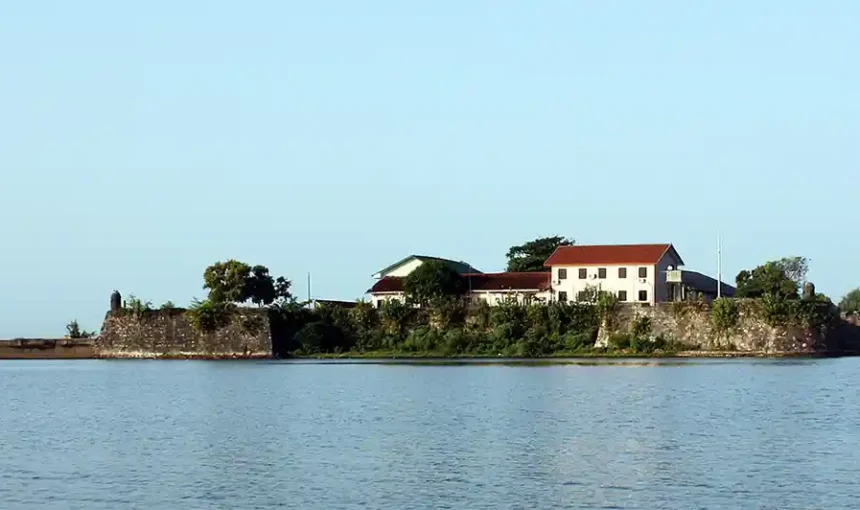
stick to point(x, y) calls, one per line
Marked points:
point(719, 266)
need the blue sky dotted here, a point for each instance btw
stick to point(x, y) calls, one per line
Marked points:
point(142, 141)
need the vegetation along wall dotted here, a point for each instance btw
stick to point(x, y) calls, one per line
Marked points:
point(175, 333)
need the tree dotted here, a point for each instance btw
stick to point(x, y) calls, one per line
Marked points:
point(432, 282)
point(795, 268)
point(768, 279)
point(282, 290)
point(260, 286)
point(530, 256)
point(850, 304)
point(73, 330)
point(227, 282)
point(238, 282)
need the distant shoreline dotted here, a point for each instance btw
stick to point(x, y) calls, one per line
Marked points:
point(66, 349)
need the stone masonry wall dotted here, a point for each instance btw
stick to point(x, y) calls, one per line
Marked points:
point(691, 324)
point(170, 334)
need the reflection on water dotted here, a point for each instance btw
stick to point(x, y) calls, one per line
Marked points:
point(583, 433)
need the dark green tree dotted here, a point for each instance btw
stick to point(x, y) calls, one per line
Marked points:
point(768, 279)
point(260, 286)
point(795, 268)
point(530, 256)
point(851, 302)
point(227, 282)
point(433, 282)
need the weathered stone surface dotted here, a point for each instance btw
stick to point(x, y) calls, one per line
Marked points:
point(169, 334)
point(46, 348)
point(690, 323)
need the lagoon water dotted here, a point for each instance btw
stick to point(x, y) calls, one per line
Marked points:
point(628, 434)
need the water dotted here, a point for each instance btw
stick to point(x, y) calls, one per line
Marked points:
point(186, 435)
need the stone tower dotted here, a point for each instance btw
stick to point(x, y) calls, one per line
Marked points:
point(115, 302)
point(809, 291)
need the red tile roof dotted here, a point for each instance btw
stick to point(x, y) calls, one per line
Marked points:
point(609, 254)
point(480, 282)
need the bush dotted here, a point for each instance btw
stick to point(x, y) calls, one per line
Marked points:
point(620, 341)
point(641, 328)
point(136, 306)
point(207, 316)
point(73, 330)
point(725, 315)
point(319, 337)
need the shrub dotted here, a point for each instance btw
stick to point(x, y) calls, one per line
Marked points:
point(136, 307)
point(641, 328)
point(394, 317)
point(725, 315)
point(73, 330)
point(620, 341)
point(319, 337)
point(208, 316)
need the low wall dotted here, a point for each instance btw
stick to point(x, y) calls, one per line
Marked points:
point(170, 334)
point(47, 348)
point(691, 324)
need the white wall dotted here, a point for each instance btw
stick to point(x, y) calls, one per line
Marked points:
point(405, 269)
point(376, 298)
point(632, 284)
point(494, 298)
point(654, 283)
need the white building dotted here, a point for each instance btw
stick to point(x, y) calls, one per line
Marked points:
point(636, 273)
point(490, 287)
point(633, 272)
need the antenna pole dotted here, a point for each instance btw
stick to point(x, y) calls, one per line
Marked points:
point(719, 266)
point(310, 303)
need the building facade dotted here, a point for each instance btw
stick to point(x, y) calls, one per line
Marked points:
point(634, 273)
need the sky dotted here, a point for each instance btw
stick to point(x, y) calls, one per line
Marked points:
point(142, 141)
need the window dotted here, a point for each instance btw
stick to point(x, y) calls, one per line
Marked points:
point(622, 272)
point(643, 295)
point(622, 295)
point(562, 297)
point(562, 274)
point(601, 273)
point(583, 273)
point(643, 272)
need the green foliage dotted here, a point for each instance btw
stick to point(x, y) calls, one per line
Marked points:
point(208, 316)
point(320, 337)
point(850, 303)
point(620, 341)
point(725, 315)
point(237, 282)
point(394, 317)
point(136, 307)
point(227, 282)
point(168, 306)
point(73, 330)
point(641, 327)
point(771, 278)
point(433, 282)
point(795, 268)
point(530, 256)
point(252, 323)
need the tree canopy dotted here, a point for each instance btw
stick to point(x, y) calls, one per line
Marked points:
point(795, 268)
point(850, 303)
point(432, 282)
point(237, 282)
point(530, 256)
point(768, 279)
